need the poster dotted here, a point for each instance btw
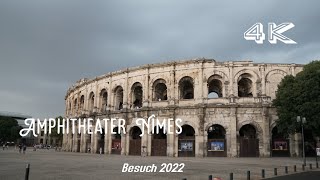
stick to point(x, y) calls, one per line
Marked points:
point(186, 146)
point(216, 146)
point(281, 145)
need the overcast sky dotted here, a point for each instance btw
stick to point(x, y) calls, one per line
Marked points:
point(46, 46)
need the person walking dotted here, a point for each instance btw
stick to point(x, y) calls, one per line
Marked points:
point(3, 146)
point(20, 148)
point(24, 149)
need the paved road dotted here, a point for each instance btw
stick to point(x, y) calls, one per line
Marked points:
point(51, 165)
point(313, 175)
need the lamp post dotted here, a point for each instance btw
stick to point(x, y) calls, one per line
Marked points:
point(302, 121)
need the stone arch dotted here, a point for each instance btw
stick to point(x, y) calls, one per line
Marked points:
point(91, 100)
point(273, 78)
point(215, 86)
point(82, 99)
point(258, 128)
point(75, 105)
point(118, 97)
point(216, 123)
point(159, 90)
point(193, 125)
point(103, 99)
point(116, 141)
point(186, 87)
point(135, 140)
point(246, 75)
point(137, 95)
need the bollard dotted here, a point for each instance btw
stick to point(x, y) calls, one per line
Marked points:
point(263, 173)
point(286, 169)
point(231, 176)
point(248, 175)
point(310, 166)
point(26, 177)
point(275, 171)
point(295, 168)
point(210, 177)
point(302, 167)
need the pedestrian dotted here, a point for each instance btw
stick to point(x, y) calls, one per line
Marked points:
point(3, 146)
point(20, 147)
point(34, 147)
point(100, 150)
point(24, 149)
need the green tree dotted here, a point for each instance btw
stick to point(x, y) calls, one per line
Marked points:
point(54, 132)
point(9, 129)
point(299, 96)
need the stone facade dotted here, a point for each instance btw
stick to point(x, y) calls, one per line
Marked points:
point(201, 92)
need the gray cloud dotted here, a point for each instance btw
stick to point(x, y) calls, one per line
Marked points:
point(45, 46)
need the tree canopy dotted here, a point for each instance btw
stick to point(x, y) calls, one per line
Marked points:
point(9, 129)
point(299, 96)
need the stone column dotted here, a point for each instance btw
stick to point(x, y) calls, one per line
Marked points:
point(233, 133)
point(125, 140)
point(266, 133)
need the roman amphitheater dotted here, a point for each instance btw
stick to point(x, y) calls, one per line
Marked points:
point(225, 107)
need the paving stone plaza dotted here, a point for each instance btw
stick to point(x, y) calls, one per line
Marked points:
point(48, 164)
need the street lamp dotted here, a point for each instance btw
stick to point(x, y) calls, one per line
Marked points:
point(302, 121)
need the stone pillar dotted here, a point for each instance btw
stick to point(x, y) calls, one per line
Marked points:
point(233, 133)
point(126, 92)
point(266, 133)
point(149, 143)
point(292, 146)
point(171, 88)
point(125, 140)
point(298, 144)
point(199, 145)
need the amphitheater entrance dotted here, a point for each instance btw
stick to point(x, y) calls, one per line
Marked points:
point(101, 142)
point(217, 141)
point(249, 143)
point(159, 143)
point(186, 142)
point(78, 142)
point(280, 144)
point(116, 142)
point(135, 141)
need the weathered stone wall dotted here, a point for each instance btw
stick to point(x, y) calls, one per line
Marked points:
point(230, 111)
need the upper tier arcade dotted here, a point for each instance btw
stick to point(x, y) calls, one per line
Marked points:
point(203, 82)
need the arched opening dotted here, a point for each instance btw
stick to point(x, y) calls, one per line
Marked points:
point(160, 90)
point(280, 144)
point(82, 102)
point(137, 94)
point(245, 86)
point(101, 139)
point(75, 106)
point(88, 144)
point(159, 142)
point(135, 141)
point(118, 98)
point(214, 87)
point(91, 102)
point(249, 143)
point(186, 88)
point(186, 142)
point(78, 142)
point(104, 100)
point(217, 141)
point(116, 142)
